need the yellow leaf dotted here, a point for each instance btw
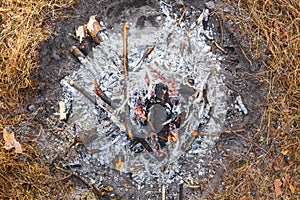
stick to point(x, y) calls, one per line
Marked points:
point(292, 188)
point(284, 152)
point(277, 185)
point(119, 163)
point(11, 142)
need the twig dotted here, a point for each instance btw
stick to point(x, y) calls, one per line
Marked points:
point(191, 186)
point(144, 143)
point(82, 59)
point(182, 15)
point(101, 94)
point(93, 100)
point(88, 183)
point(195, 134)
point(219, 47)
point(125, 67)
point(163, 192)
point(83, 91)
point(56, 180)
point(255, 144)
point(125, 61)
point(244, 54)
point(147, 52)
point(221, 27)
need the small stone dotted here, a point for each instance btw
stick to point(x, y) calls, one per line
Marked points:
point(210, 5)
point(31, 108)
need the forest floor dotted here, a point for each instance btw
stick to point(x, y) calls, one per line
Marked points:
point(257, 155)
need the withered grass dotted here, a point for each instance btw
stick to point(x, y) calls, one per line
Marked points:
point(22, 28)
point(273, 23)
point(273, 28)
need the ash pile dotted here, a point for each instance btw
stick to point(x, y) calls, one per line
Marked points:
point(149, 100)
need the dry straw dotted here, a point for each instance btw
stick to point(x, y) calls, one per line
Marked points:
point(23, 176)
point(273, 29)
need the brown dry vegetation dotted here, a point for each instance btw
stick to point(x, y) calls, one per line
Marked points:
point(21, 31)
point(273, 28)
point(273, 23)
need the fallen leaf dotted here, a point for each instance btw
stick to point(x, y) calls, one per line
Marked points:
point(11, 142)
point(93, 27)
point(80, 33)
point(119, 163)
point(292, 188)
point(277, 185)
point(284, 152)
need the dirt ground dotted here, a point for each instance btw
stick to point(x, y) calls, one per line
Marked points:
point(56, 62)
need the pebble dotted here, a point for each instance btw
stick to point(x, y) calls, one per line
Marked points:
point(210, 5)
point(31, 108)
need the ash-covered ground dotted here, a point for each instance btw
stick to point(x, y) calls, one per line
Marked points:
point(211, 92)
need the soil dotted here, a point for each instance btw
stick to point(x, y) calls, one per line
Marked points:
point(56, 62)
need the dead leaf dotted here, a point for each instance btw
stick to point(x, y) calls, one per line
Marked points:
point(11, 142)
point(119, 163)
point(277, 185)
point(284, 152)
point(292, 188)
point(80, 33)
point(93, 27)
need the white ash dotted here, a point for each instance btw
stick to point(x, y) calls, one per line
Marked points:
point(240, 105)
point(175, 58)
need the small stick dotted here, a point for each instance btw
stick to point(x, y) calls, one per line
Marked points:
point(125, 67)
point(244, 54)
point(195, 134)
point(221, 27)
point(143, 142)
point(163, 192)
point(101, 94)
point(125, 62)
point(182, 15)
point(236, 131)
point(50, 181)
point(82, 59)
point(244, 138)
point(83, 91)
point(191, 186)
point(91, 98)
point(219, 47)
point(147, 52)
point(89, 183)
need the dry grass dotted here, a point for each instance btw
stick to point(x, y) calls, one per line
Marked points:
point(275, 25)
point(24, 177)
point(21, 31)
point(271, 23)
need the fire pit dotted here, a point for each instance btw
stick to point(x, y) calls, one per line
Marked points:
point(159, 117)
